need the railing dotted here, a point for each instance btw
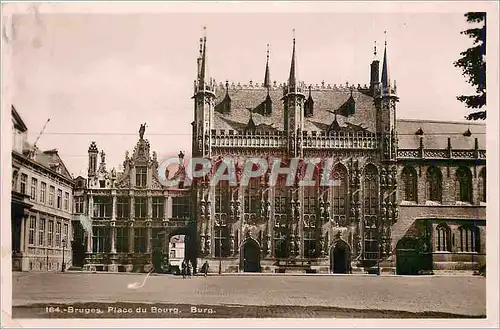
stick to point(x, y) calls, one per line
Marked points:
point(340, 140)
point(309, 140)
point(441, 154)
point(255, 140)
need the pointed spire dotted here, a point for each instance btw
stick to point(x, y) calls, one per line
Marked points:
point(385, 70)
point(292, 80)
point(203, 53)
point(375, 49)
point(267, 77)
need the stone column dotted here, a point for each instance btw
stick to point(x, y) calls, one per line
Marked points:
point(149, 233)
point(89, 234)
point(113, 224)
point(132, 208)
point(131, 223)
point(300, 218)
point(113, 238)
point(22, 234)
point(150, 206)
point(168, 207)
point(113, 214)
point(131, 238)
point(271, 221)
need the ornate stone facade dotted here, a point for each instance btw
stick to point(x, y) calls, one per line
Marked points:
point(126, 218)
point(355, 226)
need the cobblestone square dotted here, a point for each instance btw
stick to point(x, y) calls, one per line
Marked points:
point(290, 295)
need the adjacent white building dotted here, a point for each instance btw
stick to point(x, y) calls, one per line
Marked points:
point(42, 193)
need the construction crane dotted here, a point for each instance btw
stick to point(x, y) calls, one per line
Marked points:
point(39, 135)
point(41, 132)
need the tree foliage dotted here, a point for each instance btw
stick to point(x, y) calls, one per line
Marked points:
point(473, 66)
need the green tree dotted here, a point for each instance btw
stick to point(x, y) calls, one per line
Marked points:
point(473, 66)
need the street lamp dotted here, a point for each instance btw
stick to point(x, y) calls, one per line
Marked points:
point(63, 266)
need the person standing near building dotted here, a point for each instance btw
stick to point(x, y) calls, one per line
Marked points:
point(205, 268)
point(183, 269)
point(190, 269)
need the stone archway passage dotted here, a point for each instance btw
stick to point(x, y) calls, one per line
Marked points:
point(340, 258)
point(250, 257)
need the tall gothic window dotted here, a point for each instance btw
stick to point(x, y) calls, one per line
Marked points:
point(103, 207)
point(409, 178)
point(434, 184)
point(309, 242)
point(482, 184)
point(280, 219)
point(141, 176)
point(78, 204)
point(122, 239)
point(180, 207)
point(222, 200)
point(158, 207)
point(252, 196)
point(340, 195)
point(443, 238)
point(141, 207)
point(222, 247)
point(122, 207)
point(100, 239)
point(463, 185)
point(140, 239)
point(370, 195)
point(309, 210)
point(469, 238)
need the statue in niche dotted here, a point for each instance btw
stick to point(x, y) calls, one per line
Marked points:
point(231, 241)
point(202, 245)
point(269, 244)
point(142, 129)
point(208, 244)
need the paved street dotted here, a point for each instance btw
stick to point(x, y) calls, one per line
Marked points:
point(343, 294)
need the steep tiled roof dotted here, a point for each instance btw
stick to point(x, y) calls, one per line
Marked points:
point(326, 101)
point(435, 134)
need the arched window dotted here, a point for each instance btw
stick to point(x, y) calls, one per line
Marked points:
point(434, 184)
point(340, 202)
point(280, 219)
point(370, 196)
point(482, 184)
point(222, 198)
point(409, 178)
point(442, 238)
point(309, 210)
point(469, 239)
point(463, 185)
point(252, 197)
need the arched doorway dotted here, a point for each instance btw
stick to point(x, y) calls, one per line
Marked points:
point(340, 258)
point(250, 256)
point(411, 257)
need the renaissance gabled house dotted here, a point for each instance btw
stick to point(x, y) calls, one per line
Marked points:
point(411, 196)
point(123, 220)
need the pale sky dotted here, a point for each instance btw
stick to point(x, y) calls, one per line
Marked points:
point(97, 74)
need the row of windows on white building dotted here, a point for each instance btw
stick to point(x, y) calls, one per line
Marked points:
point(38, 193)
point(47, 233)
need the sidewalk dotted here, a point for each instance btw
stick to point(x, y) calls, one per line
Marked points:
point(445, 274)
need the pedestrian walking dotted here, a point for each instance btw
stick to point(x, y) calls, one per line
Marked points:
point(205, 268)
point(190, 269)
point(183, 269)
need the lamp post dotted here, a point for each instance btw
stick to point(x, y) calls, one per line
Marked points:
point(63, 266)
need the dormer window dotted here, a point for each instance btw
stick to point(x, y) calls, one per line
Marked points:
point(141, 174)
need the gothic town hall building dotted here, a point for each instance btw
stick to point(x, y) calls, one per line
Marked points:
point(411, 196)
